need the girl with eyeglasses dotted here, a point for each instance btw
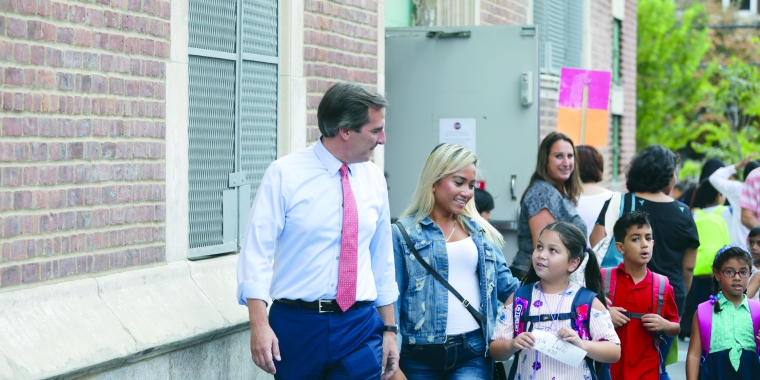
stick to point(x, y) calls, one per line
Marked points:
point(724, 345)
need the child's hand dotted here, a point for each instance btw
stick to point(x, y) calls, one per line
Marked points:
point(571, 336)
point(654, 322)
point(618, 319)
point(524, 341)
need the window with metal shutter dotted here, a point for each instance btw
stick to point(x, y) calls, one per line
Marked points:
point(232, 122)
point(560, 25)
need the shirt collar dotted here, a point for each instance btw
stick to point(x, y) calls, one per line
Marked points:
point(331, 163)
point(647, 277)
point(723, 301)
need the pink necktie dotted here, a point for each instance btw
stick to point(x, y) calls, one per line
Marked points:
point(348, 246)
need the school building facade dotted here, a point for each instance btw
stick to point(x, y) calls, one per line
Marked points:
point(134, 134)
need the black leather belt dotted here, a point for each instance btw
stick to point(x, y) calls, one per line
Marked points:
point(633, 315)
point(323, 306)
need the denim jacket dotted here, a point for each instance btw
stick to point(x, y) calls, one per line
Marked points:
point(421, 310)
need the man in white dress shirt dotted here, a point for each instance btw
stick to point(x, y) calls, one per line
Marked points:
point(318, 245)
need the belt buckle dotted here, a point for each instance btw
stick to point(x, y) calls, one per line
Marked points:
point(319, 308)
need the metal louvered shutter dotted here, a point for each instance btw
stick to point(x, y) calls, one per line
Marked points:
point(232, 122)
point(574, 33)
point(560, 25)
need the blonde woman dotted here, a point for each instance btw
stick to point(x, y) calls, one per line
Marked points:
point(441, 338)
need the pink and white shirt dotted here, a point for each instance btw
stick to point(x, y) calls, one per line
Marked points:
point(548, 368)
point(751, 192)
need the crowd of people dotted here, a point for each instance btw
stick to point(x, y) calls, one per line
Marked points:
point(352, 296)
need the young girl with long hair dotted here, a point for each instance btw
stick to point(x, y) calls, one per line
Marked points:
point(559, 251)
point(724, 342)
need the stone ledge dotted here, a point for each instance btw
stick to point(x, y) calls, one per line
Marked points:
point(85, 326)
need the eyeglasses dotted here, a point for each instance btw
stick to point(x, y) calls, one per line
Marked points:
point(744, 273)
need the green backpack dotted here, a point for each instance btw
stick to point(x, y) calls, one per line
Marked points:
point(713, 235)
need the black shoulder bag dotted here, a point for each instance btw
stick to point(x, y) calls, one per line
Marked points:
point(499, 373)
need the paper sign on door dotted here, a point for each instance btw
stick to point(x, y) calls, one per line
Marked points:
point(558, 349)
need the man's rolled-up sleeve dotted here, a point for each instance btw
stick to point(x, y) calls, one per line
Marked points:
point(381, 251)
point(266, 221)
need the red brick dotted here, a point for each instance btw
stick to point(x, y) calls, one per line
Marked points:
point(116, 42)
point(38, 55)
point(65, 174)
point(10, 276)
point(14, 76)
point(43, 8)
point(67, 267)
point(49, 32)
point(48, 223)
point(60, 11)
point(16, 27)
point(30, 175)
point(146, 46)
point(30, 77)
point(48, 270)
point(84, 264)
point(101, 262)
point(117, 259)
point(30, 272)
point(100, 40)
point(77, 13)
point(95, 17)
point(11, 176)
point(65, 35)
point(21, 53)
point(48, 175)
point(26, 6)
point(83, 37)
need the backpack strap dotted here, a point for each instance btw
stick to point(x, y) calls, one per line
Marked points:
point(658, 291)
point(521, 309)
point(704, 316)
point(581, 307)
point(609, 277)
point(754, 310)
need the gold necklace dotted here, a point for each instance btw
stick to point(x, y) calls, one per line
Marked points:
point(452, 232)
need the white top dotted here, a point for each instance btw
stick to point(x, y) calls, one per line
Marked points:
point(755, 271)
point(548, 368)
point(589, 207)
point(732, 190)
point(463, 276)
point(291, 246)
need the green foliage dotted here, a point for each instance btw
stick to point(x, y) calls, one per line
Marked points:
point(670, 87)
point(683, 101)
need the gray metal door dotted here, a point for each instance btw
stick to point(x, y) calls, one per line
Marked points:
point(463, 72)
point(233, 116)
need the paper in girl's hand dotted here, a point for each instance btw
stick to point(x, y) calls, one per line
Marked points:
point(558, 349)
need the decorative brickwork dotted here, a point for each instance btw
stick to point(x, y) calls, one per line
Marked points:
point(340, 44)
point(628, 70)
point(504, 12)
point(82, 143)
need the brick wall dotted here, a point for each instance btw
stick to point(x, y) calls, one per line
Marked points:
point(504, 12)
point(82, 149)
point(340, 44)
point(628, 69)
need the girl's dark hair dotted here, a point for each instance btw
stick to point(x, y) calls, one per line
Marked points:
point(651, 170)
point(755, 231)
point(706, 194)
point(573, 186)
point(590, 164)
point(709, 167)
point(726, 253)
point(575, 243)
point(752, 165)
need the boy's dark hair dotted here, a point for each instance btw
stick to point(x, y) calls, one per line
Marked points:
point(634, 218)
point(752, 165)
point(483, 200)
point(726, 253)
point(575, 242)
point(755, 231)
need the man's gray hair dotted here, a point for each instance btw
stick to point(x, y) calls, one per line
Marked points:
point(346, 105)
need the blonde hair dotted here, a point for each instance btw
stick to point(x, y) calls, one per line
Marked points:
point(446, 159)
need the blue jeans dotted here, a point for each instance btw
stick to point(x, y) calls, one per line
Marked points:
point(461, 357)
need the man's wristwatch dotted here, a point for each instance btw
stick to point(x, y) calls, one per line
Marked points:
point(391, 328)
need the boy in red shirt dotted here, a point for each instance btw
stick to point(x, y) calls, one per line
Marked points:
point(634, 294)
